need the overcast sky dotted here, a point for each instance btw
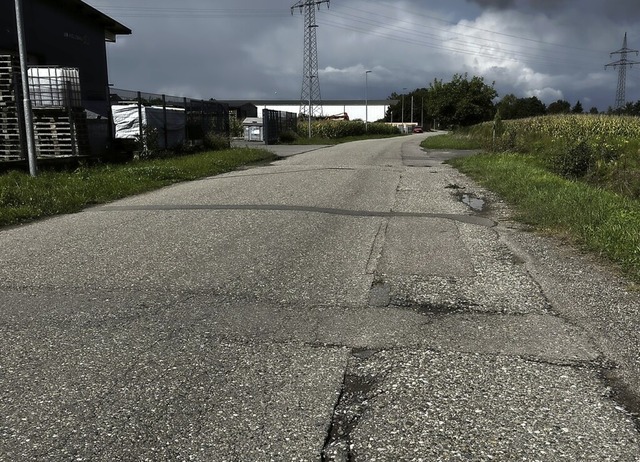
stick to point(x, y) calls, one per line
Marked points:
point(253, 49)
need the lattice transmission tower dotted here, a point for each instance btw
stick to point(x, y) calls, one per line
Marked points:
point(622, 65)
point(310, 100)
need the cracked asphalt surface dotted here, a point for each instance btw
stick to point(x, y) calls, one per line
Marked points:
point(341, 304)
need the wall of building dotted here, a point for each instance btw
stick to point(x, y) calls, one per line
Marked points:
point(56, 36)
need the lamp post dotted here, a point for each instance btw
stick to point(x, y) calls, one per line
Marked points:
point(28, 114)
point(403, 91)
point(411, 109)
point(366, 101)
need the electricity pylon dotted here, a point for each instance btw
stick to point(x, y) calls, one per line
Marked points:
point(622, 64)
point(310, 100)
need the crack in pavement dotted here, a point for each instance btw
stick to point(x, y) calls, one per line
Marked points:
point(351, 404)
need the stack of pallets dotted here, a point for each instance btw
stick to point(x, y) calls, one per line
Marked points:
point(59, 131)
point(10, 114)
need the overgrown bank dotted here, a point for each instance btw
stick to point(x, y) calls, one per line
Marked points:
point(24, 198)
point(574, 175)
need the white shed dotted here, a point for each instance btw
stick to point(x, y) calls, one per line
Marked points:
point(253, 129)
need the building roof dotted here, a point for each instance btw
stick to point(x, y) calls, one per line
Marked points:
point(111, 26)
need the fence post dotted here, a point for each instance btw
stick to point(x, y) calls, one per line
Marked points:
point(140, 127)
point(164, 121)
point(202, 123)
point(265, 126)
point(186, 122)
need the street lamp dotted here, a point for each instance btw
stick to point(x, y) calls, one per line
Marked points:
point(366, 101)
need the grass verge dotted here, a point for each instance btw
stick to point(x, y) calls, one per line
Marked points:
point(597, 219)
point(453, 140)
point(24, 198)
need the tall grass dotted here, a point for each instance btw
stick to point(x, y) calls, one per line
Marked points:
point(24, 198)
point(454, 140)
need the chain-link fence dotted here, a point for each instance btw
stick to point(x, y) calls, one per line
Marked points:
point(201, 118)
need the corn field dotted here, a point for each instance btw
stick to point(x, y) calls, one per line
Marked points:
point(600, 149)
point(333, 129)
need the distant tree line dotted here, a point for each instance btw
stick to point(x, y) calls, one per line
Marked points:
point(462, 101)
point(467, 101)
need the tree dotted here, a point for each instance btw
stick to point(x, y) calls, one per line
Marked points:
point(461, 102)
point(511, 107)
point(507, 107)
point(577, 109)
point(559, 107)
point(593, 110)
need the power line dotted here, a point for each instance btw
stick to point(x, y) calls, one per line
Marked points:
point(378, 25)
point(183, 12)
point(466, 49)
point(457, 24)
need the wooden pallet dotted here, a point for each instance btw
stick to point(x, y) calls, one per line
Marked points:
point(60, 133)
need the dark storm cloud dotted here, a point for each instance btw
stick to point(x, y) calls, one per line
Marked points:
point(245, 49)
point(500, 4)
point(621, 10)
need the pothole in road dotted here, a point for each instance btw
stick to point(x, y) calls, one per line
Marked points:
point(474, 202)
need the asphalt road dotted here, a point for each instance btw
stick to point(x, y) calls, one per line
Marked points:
point(362, 302)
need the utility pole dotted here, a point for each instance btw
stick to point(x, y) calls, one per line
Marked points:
point(366, 101)
point(310, 100)
point(622, 64)
point(412, 109)
point(28, 113)
point(403, 91)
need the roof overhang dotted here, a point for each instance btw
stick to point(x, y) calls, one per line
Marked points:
point(112, 28)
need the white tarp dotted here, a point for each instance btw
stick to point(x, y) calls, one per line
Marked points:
point(126, 121)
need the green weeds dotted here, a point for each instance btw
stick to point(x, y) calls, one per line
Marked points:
point(24, 198)
point(455, 140)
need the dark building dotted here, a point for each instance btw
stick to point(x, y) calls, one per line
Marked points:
point(67, 33)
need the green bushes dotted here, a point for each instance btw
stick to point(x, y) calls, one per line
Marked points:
point(288, 136)
point(215, 142)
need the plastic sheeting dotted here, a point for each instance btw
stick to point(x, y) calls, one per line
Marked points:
point(126, 121)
